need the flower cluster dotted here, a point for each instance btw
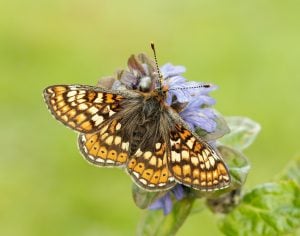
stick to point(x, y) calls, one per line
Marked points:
point(190, 99)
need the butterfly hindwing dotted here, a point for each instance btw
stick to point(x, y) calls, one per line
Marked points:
point(149, 168)
point(105, 147)
point(82, 108)
point(193, 162)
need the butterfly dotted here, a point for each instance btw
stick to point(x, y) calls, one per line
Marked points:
point(138, 131)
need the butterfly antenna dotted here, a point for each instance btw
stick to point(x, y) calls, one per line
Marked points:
point(192, 87)
point(157, 68)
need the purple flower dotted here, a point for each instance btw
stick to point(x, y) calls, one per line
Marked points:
point(165, 202)
point(196, 113)
point(197, 117)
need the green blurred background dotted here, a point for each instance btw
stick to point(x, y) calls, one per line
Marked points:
point(249, 48)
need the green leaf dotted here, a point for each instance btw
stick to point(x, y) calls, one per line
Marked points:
point(269, 209)
point(292, 171)
point(143, 199)
point(155, 223)
point(243, 132)
point(198, 205)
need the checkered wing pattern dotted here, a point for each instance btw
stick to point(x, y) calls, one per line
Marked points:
point(106, 147)
point(149, 168)
point(194, 163)
point(82, 108)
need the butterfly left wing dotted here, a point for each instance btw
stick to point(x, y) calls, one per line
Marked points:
point(83, 108)
point(193, 162)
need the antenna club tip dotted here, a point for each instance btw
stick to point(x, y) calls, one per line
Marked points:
point(152, 45)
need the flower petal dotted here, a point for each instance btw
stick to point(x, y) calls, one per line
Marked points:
point(178, 192)
point(164, 203)
point(168, 205)
point(200, 118)
point(168, 70)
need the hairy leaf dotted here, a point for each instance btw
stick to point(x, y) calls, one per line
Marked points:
point(269, 209)
point(243, 132)
point(292, 171)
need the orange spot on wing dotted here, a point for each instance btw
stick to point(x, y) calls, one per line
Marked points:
point(196, 173)
point(197, 147)
point(222, 169)
point(132, 163)
point(215, 175)
point(86, 125)
point(80, 118)
point(109, 98)
point(209, 176)
point(61, 104)
point(71, 113)
point(59, 89)
point(91, 96)
point(202, 176)
point(155, 177)
point(112, 155)
point(164, 175)
point(177, 170)
point(139, 168)
point(186, 169)
point(184, 134)
point(122, 157)
point(94, 149)
point(102, 152)
point(147, 174)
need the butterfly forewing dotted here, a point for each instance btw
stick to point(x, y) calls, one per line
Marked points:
point(195, 163)
point(82, 108)
point(106, 147)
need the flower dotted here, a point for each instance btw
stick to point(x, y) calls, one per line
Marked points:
point(165, 202)
point(194, 95)
point(190, 99)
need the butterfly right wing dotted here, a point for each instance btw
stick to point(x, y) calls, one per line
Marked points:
point(192, 161)
point(83, 108)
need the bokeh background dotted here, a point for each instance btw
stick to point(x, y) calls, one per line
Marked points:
point(250, 49)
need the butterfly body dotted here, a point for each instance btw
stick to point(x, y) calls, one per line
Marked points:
point(139, 132)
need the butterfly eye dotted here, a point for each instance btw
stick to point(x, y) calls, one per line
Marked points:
point(145, 84)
